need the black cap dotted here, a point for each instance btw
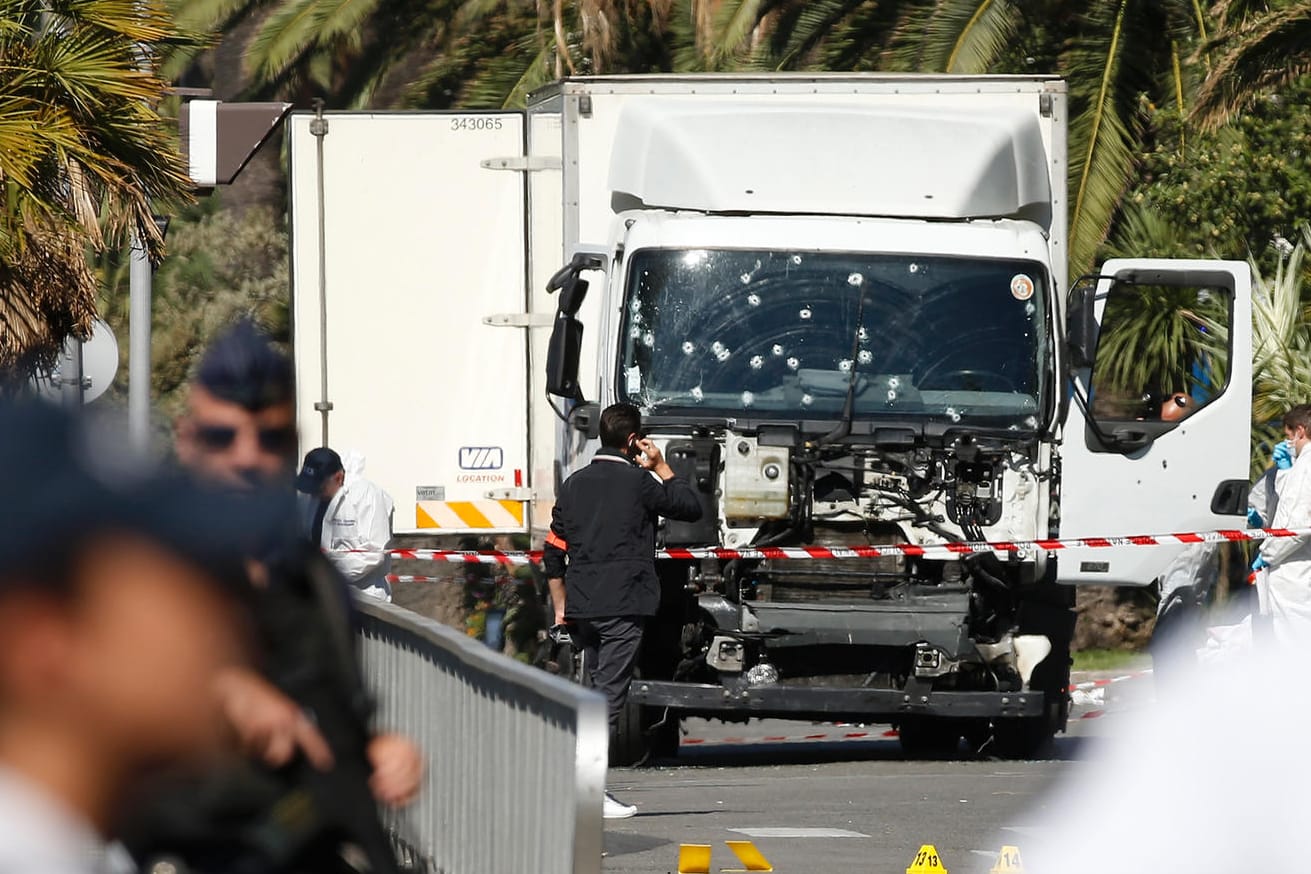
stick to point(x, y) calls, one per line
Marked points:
point(68, 482)
point(244, 367)
point(320, 464)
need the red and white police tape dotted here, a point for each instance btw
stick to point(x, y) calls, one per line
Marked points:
point(931, 550)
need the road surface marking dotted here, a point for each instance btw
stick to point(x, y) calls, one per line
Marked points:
point(798, 833)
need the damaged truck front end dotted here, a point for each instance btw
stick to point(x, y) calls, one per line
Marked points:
point(828, 398)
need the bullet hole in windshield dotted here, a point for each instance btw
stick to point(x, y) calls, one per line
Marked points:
point(805, 313)
point(753, 300)
point(855, 280)
point(688, 347)
point(778, 349)
point(845, 365)
point(865, 356)
point(748, 398)
point(757, 362)
point(793, 363)
point(807, 399)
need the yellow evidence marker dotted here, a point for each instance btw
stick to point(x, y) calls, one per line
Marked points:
point(751, 858)
point(927, 861)
point(1008, 861)
point(693, 859)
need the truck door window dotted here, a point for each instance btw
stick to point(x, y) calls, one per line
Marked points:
point(1162, 354)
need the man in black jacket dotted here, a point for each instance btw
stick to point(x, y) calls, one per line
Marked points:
point(600, 554)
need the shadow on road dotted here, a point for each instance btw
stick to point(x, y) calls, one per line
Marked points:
point(1064, 749)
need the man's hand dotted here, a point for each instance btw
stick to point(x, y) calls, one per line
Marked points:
point(270, 726)
point(652, 459)
point(397, 769)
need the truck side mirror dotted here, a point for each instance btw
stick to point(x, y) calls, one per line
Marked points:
point(1081, 322)
point(586, 417)
point(562, 356)
point(572, 295)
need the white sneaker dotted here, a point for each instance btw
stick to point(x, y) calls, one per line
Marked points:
point(613, 808)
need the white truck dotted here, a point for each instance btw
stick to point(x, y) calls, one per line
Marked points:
point(841, 303)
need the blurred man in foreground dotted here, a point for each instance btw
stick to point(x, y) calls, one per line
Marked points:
point(305, 714)
point(240, 431)
point(118, 611)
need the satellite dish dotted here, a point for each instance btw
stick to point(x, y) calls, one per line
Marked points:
point(99, 365)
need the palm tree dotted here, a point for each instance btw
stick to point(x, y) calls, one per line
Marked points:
point(1119, 56)
point(83, 157)
point(1265, 46)
point(475, 53)
point(1281, 346)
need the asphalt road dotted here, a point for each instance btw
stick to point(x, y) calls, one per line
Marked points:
point(824, 798)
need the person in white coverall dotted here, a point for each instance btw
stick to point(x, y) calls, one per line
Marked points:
point(349, 517)
point(1288, 559)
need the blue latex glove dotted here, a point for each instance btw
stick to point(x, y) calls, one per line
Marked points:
point(1260, 563)
point(1254, 519)
point(1283, 455)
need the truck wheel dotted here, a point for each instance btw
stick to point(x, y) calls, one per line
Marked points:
point(644, 733)
point(928, 738)
point(627, 744)
point(1030, 737)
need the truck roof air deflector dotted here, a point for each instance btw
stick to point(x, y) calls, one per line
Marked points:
point(729, 156)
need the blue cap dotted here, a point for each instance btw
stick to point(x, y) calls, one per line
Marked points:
point(320, 463)
point(68, 482)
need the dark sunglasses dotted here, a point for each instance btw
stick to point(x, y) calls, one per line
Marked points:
point(216, 438)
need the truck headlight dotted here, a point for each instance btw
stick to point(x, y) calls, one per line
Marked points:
point(763, 674)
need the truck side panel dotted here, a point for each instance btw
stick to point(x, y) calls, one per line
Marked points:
point(421, 242)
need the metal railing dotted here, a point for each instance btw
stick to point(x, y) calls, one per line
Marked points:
point(516, 757)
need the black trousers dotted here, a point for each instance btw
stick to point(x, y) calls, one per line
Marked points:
point(610, 648)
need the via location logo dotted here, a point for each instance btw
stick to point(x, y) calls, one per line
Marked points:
point(481, 458)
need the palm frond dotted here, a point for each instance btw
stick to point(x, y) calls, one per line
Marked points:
point(1109, 70)
point(960, 36)
point(1267, 54)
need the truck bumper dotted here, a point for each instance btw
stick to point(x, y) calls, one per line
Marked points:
point(795, 702)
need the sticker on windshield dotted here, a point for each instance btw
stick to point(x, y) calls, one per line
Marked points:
point(1021, 286)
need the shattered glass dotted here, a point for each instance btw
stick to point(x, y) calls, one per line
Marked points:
point(722, 331)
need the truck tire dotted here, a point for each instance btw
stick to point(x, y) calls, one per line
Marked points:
point(1045, 608)
point(644, 733)
point(926, 737)
point(1030, 737)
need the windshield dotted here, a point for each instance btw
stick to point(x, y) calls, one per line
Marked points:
point(775, 334)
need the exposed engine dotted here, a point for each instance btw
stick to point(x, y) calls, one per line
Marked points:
point(888, 621)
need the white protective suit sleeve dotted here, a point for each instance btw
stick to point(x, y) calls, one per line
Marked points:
point(1263, 498)
point(371, 508)
point(1294, 511)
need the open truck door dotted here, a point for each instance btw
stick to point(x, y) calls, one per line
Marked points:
point(1156, 439)
point(415, 241)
